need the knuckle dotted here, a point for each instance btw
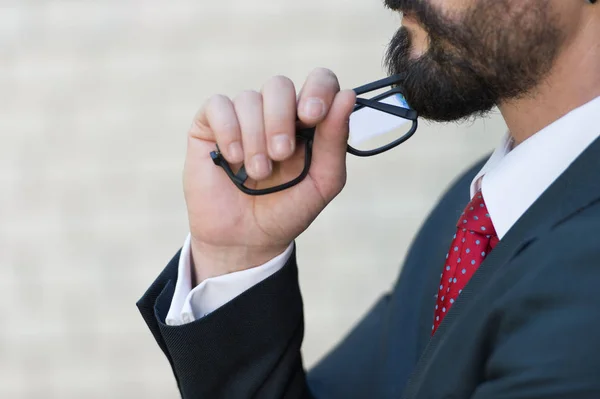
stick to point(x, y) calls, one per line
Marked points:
point(278, 82)
point(230, 130)
point(197, 126)
point(216, 100)
point(323, 71)
point(221, 122)
point(322, 83)
point(325, 74)
point(247, 96)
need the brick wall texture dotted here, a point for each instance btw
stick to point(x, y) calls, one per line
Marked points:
point(95, 101)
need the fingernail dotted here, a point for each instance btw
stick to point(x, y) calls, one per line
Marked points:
point(314, 107)
point(261, 165)
point(281, 145)
point(235, 152)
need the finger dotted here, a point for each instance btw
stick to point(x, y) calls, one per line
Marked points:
point(249, 109)
point(328, 166)
point(279, 107)
point(219, 117)
point(316, 96)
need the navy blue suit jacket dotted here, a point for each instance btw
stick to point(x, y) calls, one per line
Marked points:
point(526, 326)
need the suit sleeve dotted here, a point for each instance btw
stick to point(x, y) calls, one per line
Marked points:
point(547, 342)
point(250, 347)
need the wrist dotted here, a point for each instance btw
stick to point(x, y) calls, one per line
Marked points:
point(213, 261)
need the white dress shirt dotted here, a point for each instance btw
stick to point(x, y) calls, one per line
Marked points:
point(511, 181)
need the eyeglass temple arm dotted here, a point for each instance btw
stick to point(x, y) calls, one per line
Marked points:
point(309, 133)
point(389, 109)
point(379, 84)
point(241, 176)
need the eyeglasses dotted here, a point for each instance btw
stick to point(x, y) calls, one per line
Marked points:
point(377, 125)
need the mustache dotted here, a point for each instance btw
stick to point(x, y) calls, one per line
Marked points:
point(406, 6)
point(421, 11)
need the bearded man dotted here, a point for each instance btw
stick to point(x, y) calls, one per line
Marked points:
point(499, 296)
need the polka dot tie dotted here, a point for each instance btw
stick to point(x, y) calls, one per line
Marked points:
point(474, 239)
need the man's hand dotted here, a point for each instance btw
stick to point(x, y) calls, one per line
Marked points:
point(233, 231)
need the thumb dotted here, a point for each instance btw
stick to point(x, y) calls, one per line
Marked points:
point(328, 167)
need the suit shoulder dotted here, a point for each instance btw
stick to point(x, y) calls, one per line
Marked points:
point(574, 239)
point(565, 261)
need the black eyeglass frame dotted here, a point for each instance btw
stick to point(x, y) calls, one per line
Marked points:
point(308, 134)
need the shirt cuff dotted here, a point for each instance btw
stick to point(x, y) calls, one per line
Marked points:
point(189, 305)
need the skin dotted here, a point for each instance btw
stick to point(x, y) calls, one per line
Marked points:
point(574, 77)
point(574, 80)
point(232, 231)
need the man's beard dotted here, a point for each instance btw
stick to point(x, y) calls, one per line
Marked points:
point(499, 50)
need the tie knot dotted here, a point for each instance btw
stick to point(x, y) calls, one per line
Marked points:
point(476, 217)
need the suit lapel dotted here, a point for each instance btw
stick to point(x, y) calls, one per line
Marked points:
point(575, 189)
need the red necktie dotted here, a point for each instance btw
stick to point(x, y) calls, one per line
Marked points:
point(475, 237)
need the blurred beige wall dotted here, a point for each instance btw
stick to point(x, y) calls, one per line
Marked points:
point(95, 100)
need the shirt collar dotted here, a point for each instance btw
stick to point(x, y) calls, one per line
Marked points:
point(513, 179)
